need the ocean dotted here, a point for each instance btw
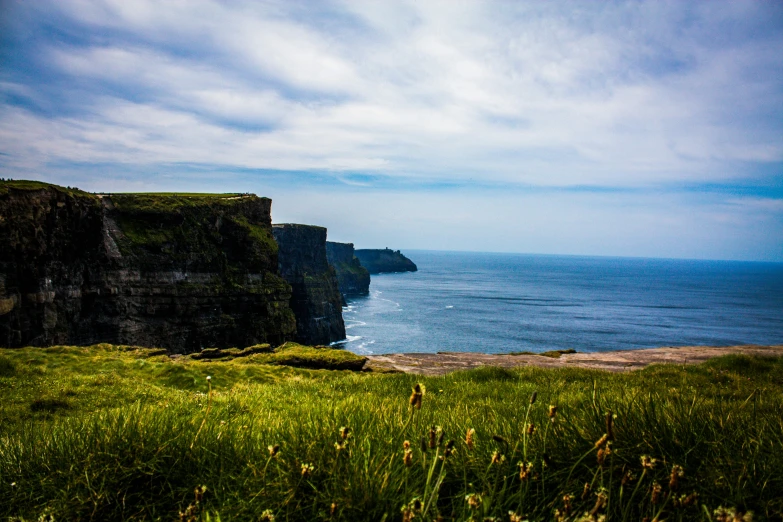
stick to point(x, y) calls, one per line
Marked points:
point(496, 303)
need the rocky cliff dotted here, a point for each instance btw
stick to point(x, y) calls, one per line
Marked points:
point(353, 278)
point(386, 260)
point(178, 272)
point(316, 299)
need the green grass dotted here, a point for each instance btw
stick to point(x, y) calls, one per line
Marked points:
point(21, 184)
point(116, 433)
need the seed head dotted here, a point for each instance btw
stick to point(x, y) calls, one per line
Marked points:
point(648, 462)
point(552, 412)
point(600, 442)
point(531, 428)
point(655, 496)
point(474, 501)
point(433, 435)
point(267, 516)
point(307, 470)
point(513, 517)
point(627, 478)
point(567, 503)
point(609, 425)
point(274, 450)
point(345, 432)
point(332, 509)
point(498, 458)
point(209, 377)
point(586, 491)
point(533, 398)
point(525, 470)
point(416, 396)
point(499, 439)
point(469, 438)
point(448, 451)
point(676, 475)
point(603, 453)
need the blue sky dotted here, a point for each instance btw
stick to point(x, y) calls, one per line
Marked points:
point(598, 128)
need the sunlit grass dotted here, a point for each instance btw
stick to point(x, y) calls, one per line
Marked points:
point(139, 434)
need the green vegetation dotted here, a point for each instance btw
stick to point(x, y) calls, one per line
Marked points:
point(38, 185)
point(113, 433)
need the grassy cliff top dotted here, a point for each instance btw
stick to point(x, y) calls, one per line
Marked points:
point(111, 433)
point(21, 184)
point(164, 202)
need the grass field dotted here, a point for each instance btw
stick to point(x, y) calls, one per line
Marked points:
point(108, 433)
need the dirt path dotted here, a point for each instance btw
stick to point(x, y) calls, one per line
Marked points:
point(444, 362)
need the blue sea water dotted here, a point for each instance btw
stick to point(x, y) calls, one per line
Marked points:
point(495, 303)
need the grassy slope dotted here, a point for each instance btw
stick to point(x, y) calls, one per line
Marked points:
point(106, 433)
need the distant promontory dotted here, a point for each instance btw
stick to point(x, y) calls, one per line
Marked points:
point(377, 261)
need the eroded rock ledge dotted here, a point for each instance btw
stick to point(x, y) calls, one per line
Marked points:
point(378, 261)
point(618, 361)
point(352, 277)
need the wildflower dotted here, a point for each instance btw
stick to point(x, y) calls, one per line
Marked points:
point(339, 446)
point(449, 450)
point(274, 450)
point(609, 425)
point(586, 491)
point(416, 396)
point(345, 432)
point(674, 479)
point(603, 453)
point(600, 442)
point(469, 438)
point(533, 398)
point(198, 493)
point(531, 428)
point(525, 470)
point(416, 504)
point(307, 470)
point(552, 412)
point(498, 458)
point(209, 377)
point(513, 517)
point(407, 454)
point(600, 502)
point(567, 504)
point(433, 434)
point(267, 516)
point(648, 462)
point(655, 496)
point(474, 500)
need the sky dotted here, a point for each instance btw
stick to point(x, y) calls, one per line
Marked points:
point(638, 128)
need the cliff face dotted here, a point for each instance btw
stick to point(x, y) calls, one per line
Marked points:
point(352, 277)
point(171, 271)
point(378, 261)
point(316, 299)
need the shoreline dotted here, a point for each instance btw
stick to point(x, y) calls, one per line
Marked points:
point(442, 363)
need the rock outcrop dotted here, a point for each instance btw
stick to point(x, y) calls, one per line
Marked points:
point(177, 272)
point(386, 260)
point(316, 299)
point(352, 277)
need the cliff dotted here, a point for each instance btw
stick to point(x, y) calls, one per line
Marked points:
point(352, 277)
point(386, 260)
point(316, 299)
point(165, 270)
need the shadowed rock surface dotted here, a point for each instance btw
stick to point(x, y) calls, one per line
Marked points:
point(164, 270)
point(316, 299)
point(352, 277)
point(618, 361)
point(377, 261)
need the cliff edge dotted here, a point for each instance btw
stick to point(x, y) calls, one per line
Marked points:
point(181, 272)
point(316, 299)
point(352, 277)
point(377, 261)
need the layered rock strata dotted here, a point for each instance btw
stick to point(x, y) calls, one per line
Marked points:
point(352, 277)
point(316, 299)
point(377, 261)
point(177, 272)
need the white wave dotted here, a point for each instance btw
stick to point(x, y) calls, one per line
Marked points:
point(449, 307)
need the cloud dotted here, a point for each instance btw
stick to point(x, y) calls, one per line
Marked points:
point(407, 95)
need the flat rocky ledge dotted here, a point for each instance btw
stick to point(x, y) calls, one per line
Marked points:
point(617, 361)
